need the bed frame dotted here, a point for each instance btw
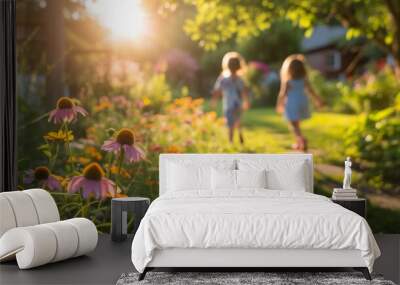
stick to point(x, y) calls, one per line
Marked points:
point(242, 259)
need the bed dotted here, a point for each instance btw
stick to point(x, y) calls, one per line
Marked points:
point(247, 210)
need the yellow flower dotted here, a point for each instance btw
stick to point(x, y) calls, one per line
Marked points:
point(64, 183)
point(93, 152)
point(123, 172)
point(174, 149)
point(212, 115)
point(146, 101)
point(104, 104)
point(59, 136)
point(80, 160)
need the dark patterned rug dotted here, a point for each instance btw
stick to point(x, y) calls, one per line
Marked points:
point(243, 278)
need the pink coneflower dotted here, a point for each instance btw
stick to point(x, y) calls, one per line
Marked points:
point(66, 111)
point(92, 183)
point(43, 176)
point(124, 140)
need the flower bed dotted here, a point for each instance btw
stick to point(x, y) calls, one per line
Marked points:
point(108, 146)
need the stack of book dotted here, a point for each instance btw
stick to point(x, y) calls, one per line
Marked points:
point(344, 194)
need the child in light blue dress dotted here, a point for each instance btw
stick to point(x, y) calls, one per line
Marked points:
point(293, 100)
point(231, 87)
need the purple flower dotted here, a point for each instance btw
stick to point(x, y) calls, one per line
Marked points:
point(124, 140)
point(264, 68)
point(92, 183)
point(179, 64)
point(66, 111)
point(43, 176)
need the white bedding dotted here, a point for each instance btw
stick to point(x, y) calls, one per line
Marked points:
point(250, 218)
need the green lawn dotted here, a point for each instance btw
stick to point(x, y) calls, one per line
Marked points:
point(267, 132)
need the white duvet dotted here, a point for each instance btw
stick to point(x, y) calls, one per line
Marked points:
point(250, 219)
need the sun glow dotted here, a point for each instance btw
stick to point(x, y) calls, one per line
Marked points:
point(126, 19)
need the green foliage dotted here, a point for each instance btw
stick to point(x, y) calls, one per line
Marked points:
point(371, 92)
point(156, 90)
point(272, 46)
point(218, 21)
point(263, 92)
point(374, 143)
point(331, 92)
point(253, 79)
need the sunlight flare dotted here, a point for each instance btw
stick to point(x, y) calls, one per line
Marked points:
point(125, 19)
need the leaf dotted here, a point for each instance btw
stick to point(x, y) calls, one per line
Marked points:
point(308, 32)
point(44, 147)
point(388, 39)
point(352, 33)
point(47, 153)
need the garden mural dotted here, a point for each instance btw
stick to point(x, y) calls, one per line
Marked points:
point(104, 87)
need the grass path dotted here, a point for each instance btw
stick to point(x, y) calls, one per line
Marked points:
point(267, 132)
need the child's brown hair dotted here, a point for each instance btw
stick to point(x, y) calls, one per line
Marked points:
point(293, 68)
point(233, 62)
point(297, 69)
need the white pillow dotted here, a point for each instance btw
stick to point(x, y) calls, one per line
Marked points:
point(282, 174)
point(193, 174)
point(184, 178)
point(251, 178)
point(226, 179)
point(223, 179)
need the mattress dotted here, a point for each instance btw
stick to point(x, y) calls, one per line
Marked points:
point(250, 219)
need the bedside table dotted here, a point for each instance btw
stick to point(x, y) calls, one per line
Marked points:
point(119, 215)
point(358, 205)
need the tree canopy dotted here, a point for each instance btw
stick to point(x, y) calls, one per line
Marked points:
point(217, 21)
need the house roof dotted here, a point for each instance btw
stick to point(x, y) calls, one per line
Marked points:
point(322, 36)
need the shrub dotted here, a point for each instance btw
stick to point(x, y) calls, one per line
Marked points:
point(330, 90)
point(371, 92)
point(179, 66)
point(366, 94)
point(374, 143)
point(263, 84)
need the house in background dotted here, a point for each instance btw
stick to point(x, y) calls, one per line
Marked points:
point(328, 52)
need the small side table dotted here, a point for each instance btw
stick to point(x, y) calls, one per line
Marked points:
point(358, 206)
point(119, 215)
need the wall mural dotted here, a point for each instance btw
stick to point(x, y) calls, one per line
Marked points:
point(100, 97)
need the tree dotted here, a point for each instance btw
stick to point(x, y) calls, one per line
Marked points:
point(273, 45)
point(55, 51)
point(52, 34)
point(216, 21)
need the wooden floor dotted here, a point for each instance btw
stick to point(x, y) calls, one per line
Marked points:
point(110, 260)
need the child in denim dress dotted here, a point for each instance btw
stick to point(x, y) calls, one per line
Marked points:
point(293, 100)
point(231, 87)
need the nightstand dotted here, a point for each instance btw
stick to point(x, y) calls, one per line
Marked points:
point(119, 215)
point(358, 205)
